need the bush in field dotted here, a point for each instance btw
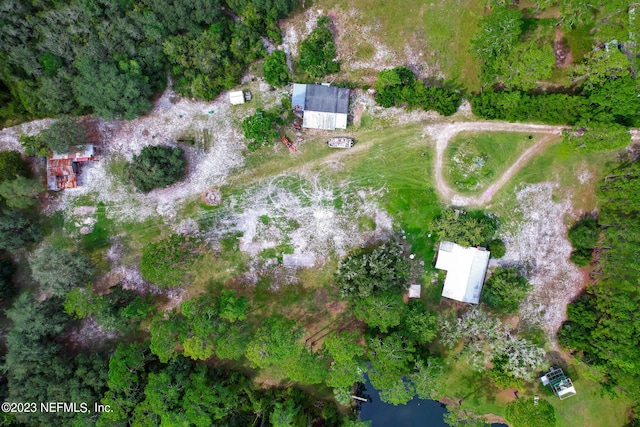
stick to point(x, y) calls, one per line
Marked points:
point(318, 51)
point(157, 167)
point(260, 128)
point(584, 235)
point(497, 248)
point(166, 262)
point(276, 72)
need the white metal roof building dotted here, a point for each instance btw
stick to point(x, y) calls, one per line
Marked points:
point(323, 106)
point(236, 97)
point(466, 269)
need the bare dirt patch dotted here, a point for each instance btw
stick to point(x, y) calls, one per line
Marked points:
point(564, 58)
point(301, 212)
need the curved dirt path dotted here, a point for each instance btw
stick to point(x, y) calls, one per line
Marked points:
point(443, 133)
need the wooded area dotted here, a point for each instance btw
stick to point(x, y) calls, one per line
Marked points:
point(603, 326)
point(110, 59)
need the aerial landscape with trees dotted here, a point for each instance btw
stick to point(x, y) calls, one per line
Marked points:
point(193, 270)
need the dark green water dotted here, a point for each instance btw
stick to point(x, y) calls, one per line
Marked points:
point(416, 413)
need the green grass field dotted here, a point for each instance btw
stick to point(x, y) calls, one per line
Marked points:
point(578, 176)
point(474, 161)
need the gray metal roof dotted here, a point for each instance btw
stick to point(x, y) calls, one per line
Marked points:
point(327, 99)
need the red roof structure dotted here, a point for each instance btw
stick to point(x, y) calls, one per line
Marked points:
point(62, 169)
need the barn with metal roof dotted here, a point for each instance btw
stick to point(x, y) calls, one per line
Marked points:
point(322, 106)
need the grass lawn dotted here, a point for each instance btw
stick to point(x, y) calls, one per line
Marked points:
point(590, 407)
point(578, 176)
point(400, 164)
point(474, 161)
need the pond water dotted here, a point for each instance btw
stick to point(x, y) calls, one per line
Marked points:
point(416, 413)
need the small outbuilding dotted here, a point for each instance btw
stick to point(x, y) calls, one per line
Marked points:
point(414, 291)
point(466, 269)
point(559, 383)
point(236, 97)
point(62, 169)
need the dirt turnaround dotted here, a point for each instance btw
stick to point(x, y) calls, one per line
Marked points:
point(443, 133)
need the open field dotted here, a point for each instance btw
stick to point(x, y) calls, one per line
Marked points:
point(473, 161)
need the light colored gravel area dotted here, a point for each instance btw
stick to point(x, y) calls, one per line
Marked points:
point(536, 239)
point(317, 219)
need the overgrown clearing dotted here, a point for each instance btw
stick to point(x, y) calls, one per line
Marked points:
point(473, 161)
point(432, 38)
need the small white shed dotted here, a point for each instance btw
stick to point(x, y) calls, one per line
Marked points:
point(236, 97)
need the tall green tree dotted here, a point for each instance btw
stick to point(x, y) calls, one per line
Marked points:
point(504, 290)
point(526, 65)
point(20, 193)
point(57, 269)
point(12, 166)
point(157, 167)
point(318, 51)
point(63, 134)
point(380, 310)
point(276, 71)
point(497, 35)
point(379, 269)
point(17, 229)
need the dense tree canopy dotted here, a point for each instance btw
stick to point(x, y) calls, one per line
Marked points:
point(58, 269)
point(379, 269)
point(111, 58)
point(602, 325)
point(157, 167)
point(504, 290)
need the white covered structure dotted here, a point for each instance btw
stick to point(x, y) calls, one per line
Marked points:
point(414, 291)
point(322, 106)
point(466, 269)
point(559, 383)
point(236, 97)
